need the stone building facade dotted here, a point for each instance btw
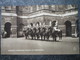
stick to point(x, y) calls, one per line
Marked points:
point(24, 15)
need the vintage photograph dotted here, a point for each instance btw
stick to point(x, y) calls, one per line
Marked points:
point(39, 29)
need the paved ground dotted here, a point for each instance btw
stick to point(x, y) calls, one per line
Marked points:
point(23, 46)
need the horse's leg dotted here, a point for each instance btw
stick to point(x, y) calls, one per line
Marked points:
point(44, 37)
point(38, 37)
point(41, 37)
point(26, 37)
point(60, 35)
point(54, 36)
point(32, 37)
point(47, 37)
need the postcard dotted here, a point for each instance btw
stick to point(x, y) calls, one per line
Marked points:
point(39, 30)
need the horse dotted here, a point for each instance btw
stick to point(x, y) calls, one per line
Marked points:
point(48, 32)
point(34, 32)
point(43, 33)
point(60, 34)
point(27, 33)
point(56, 34)
point(38, 32)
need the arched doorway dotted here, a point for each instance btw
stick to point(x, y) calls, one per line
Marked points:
point(68, 28)
point(7, 28)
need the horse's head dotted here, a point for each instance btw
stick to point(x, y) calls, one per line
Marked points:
point(43, 29)
point(49, 28)
point(28, 30)
point(39, 29)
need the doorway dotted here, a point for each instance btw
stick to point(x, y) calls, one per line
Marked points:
point(7, 29)
point(68, 28)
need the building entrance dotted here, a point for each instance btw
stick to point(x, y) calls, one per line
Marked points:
point(68, 28)
point(7, 29)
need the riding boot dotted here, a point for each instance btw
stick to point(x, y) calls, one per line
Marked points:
point(41, 38)
point(32, 38)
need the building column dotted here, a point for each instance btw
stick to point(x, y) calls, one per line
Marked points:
point(75, 31)
point(50, 23)
point(19, 20)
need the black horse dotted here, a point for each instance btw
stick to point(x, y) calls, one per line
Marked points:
point(56, 34)
point(48, 32)
point(38, 32)
point(27, 33)
point(60, 34)
point(34, 33)
point(43, 33)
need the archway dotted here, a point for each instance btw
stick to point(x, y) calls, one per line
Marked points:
point(7, 28)
point(68, 28)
